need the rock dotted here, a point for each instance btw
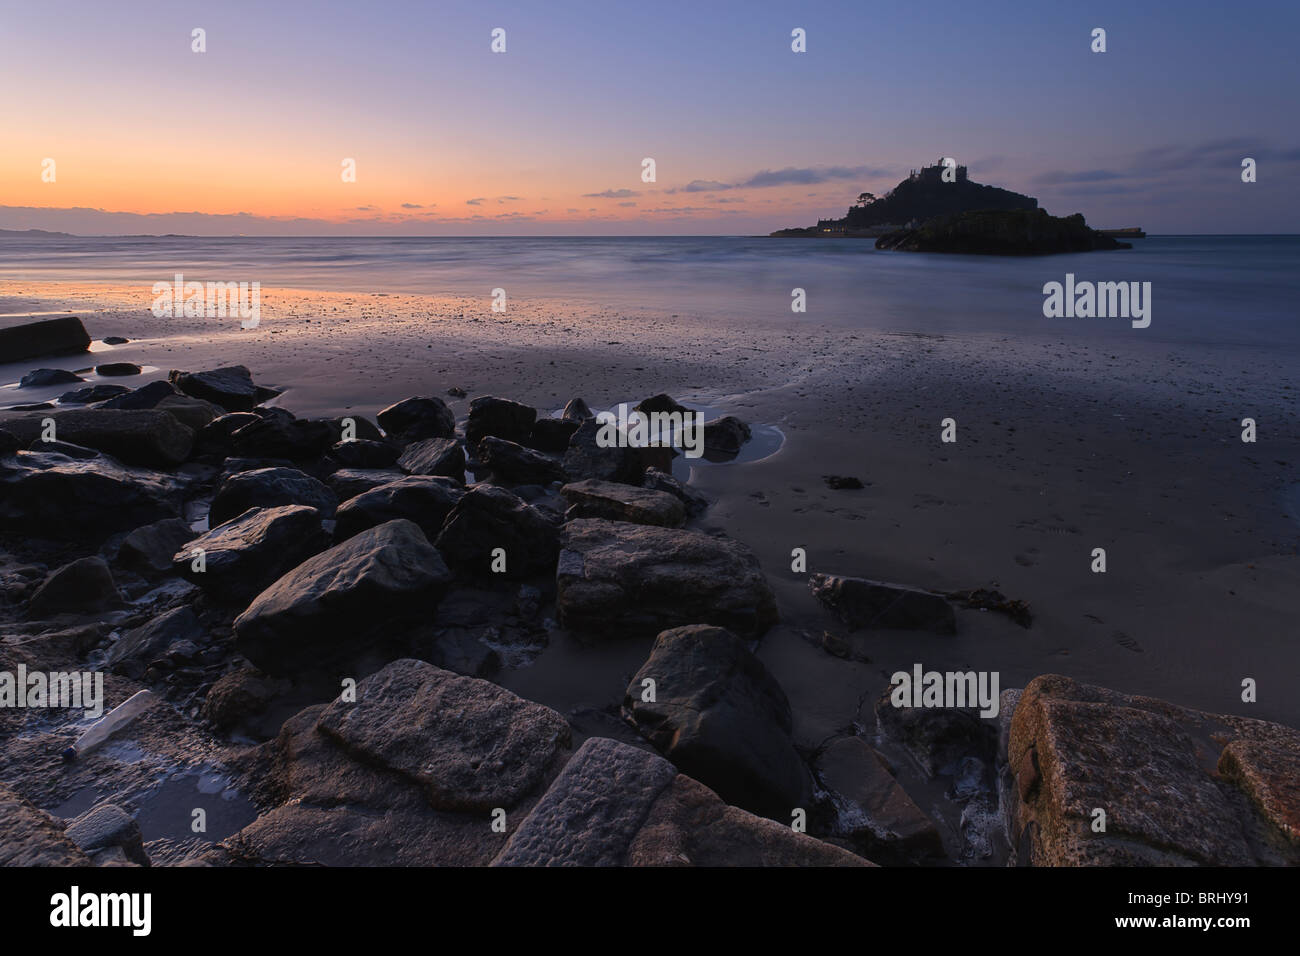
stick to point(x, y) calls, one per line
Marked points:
point(107, 826)
point(724, 436)
point(861, 603)
point(577, 411)
point(425, 500)
point(660, 403)
point(67, 449)
point(552, 435)
point(415, 419)
point(620, 578)
point(435, 457)
point(722, 718)
point(238, 696)
point(694, 502)
point(1001, 232)
point(939, 738)
point(247, 554)
point(81, 587)
point(349, 482)
point(585, 458)
point(215, 438)
point(139, 647)
point(471, 745)
point(62, 336)
point(874, 810)
point(193, 413)
point(45, 377)
point(153, 439)
point(1178, 786)
point(344, 599)
point(269, 488)
point(499, 417)
point(297, 439)
point(50, 496)
point(91, 394)
point(149, 549)
point(146, 396)
point(114, 340)
point(842, 482)
point(354, 428)
point(507, 461)
point(365, 453)
point(114, 369)
point(8, 442)
point(487, 518)
point(616, 805)
point(31, 837)
point(230, 387)
point(619, 502)
point(456, 391)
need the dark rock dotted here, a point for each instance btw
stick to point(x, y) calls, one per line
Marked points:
point(694, 502)
point(297, 439)
point(141, 646)
point(114, 340)
point(499, 417)
point(415, 419)
point(842, 482)
point(487, 518)
point(339, 602)
point(425, 500)
point(365, 453)
point(9, 442)
point(617, 578)
point(721, 717)
point(354, 428)
point(552, 435)
point(1019, 232)
point(725, 435)
point(150, 438)
point(193, 413)
point(620, 502)
point(84, 586)
point(114, 369)
point(457, 392)
point(269, 488)
point(435, 457)
point(349, 482)
point(146, 396)
point(247, 554)
point(585, 458)
point(577, 411)
point(509, 462)
point(105, 827)
point(91, 394)
point(51, 496)
point(240, 695)
point(471, 745)
point(660, 403)
point(67, 449)
point(44, 377)
point(938, 737)
point(862, 603)
point(149, 549)
point(214, 438)
point(62, 336)
point(230, 387)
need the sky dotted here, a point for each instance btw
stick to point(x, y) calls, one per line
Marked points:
point(549, 137)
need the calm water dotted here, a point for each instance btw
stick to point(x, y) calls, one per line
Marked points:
point(1205, 289)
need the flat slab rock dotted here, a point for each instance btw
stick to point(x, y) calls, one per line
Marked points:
point(616, 501)
point(146, 437)
point(472, 745)
point(616, 577)
point(1179, 786)
point(861, 603)
point(617, 805)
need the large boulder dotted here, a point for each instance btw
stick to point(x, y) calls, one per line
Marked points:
point(435, 457)
point(587, 458)
point(62, 336)
point(620, 502)
point(861, 603)
point(146, 396)
point(52, 496)
point(230, 387)
point(84, 586)
point(215, 438)
point(1177, 786)
point(269, 488)
point(349, 482)
point(656, 480)
point(298, 439)
point(722, 718)
point(340, 601)
point(488, 518)
point(141, 646)
point(423, 499)
point(471, 745)
point(150, 438)
point(245, 555)
point(415, 419)
point(616, 578)
point(617, 805)
point(724, 436)
point(552, 435)
point(507, 461)
point(499, 417)
point(365, 453)
point(149, 548)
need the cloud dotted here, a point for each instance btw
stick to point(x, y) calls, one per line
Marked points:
point(367, 208)
point(610, 194)
point(705, 186)
point(627, 204)
point(474, 202)
point(809, 175)
point(411, 205)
